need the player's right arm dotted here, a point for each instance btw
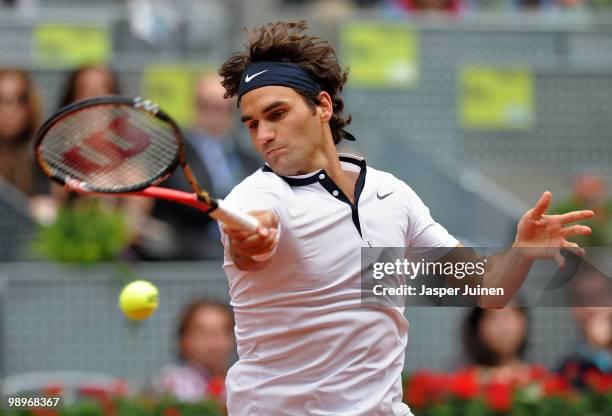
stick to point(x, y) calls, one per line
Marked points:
point(253, 250)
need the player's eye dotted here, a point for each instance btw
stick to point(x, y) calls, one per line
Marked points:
point(277, 115)
point(252, 125)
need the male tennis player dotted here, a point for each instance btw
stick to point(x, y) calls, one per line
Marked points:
point(306, 343)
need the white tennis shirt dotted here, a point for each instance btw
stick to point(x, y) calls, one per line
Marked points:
point(306, 343)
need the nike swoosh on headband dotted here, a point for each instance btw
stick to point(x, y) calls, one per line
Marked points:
point(250, 77)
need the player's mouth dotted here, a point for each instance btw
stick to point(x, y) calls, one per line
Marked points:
point(274, 151)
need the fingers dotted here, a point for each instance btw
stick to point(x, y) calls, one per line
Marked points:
point(248, 243)
point(251, 243)
point(576, 230)
point(575, 216)
point(541, 206)
point(574, 248)
point(255, 242)
point(559, 259)
point(267, 219)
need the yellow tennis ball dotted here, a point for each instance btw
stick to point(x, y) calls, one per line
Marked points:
point(138, 300)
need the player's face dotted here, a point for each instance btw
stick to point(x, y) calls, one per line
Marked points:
point(287, 132)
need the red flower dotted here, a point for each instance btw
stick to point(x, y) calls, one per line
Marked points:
point(93, 391)
point(537, 373)
point(463, 385)
point(499, 396)
point(556, 386)
point(416, 396)
point(43, 412)
point(53, 390)
point(599, 382)
point(101, 395)
point(172, 411)
point(419, 386)
point(439, 386)
point(216, 387)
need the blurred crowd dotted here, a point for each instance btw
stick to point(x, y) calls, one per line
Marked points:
point(458, 6)
point(158, 230)
point(161, 230)
point(495, 343)
point(337, 6)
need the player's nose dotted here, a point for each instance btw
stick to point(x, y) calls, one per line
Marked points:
point(264, 133)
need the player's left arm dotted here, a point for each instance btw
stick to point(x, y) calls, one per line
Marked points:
point(538, 236)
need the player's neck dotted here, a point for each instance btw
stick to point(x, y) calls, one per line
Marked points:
point(344, 179)
point(327, 158)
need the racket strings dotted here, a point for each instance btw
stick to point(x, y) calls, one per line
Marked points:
point(112, 148)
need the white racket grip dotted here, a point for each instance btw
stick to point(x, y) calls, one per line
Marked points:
point(233, 217)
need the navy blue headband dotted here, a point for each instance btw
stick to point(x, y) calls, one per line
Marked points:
point(286, 74)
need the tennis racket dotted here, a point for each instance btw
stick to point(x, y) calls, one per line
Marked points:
point(123, 146)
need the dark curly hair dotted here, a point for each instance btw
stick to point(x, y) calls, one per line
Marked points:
point(287, 42)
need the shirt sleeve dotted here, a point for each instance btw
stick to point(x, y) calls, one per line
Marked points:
point(423, 230)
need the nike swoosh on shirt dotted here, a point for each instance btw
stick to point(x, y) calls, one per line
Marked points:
point(250, 77)
point(381, 197)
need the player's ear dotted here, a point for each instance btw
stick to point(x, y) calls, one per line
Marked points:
point(325, 106)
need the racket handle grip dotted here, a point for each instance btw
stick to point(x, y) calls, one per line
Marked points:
point(234, 218)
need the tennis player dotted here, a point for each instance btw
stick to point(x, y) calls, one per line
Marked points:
point(306, 343)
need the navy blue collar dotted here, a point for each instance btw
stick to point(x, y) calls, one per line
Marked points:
point(326, 182)
point(318, 176)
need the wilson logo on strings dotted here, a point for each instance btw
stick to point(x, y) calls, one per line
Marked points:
point(107, 149)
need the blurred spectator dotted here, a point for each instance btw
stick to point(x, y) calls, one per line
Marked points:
point(22, 6)
point(205, 344)
point(495, 341)
point(88, 82)
point(82, 83)
point(552, 4)
point(359, 3)
point(20, 117)
point(212, 137)
point(95, 81)
point(210, 147)
point(573, 4)
point(368, 3)
point(449, 6)
point(593, 352)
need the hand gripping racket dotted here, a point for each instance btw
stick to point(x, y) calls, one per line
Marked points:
point(123, 146)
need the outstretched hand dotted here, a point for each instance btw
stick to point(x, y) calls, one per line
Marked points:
point(545, 235)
